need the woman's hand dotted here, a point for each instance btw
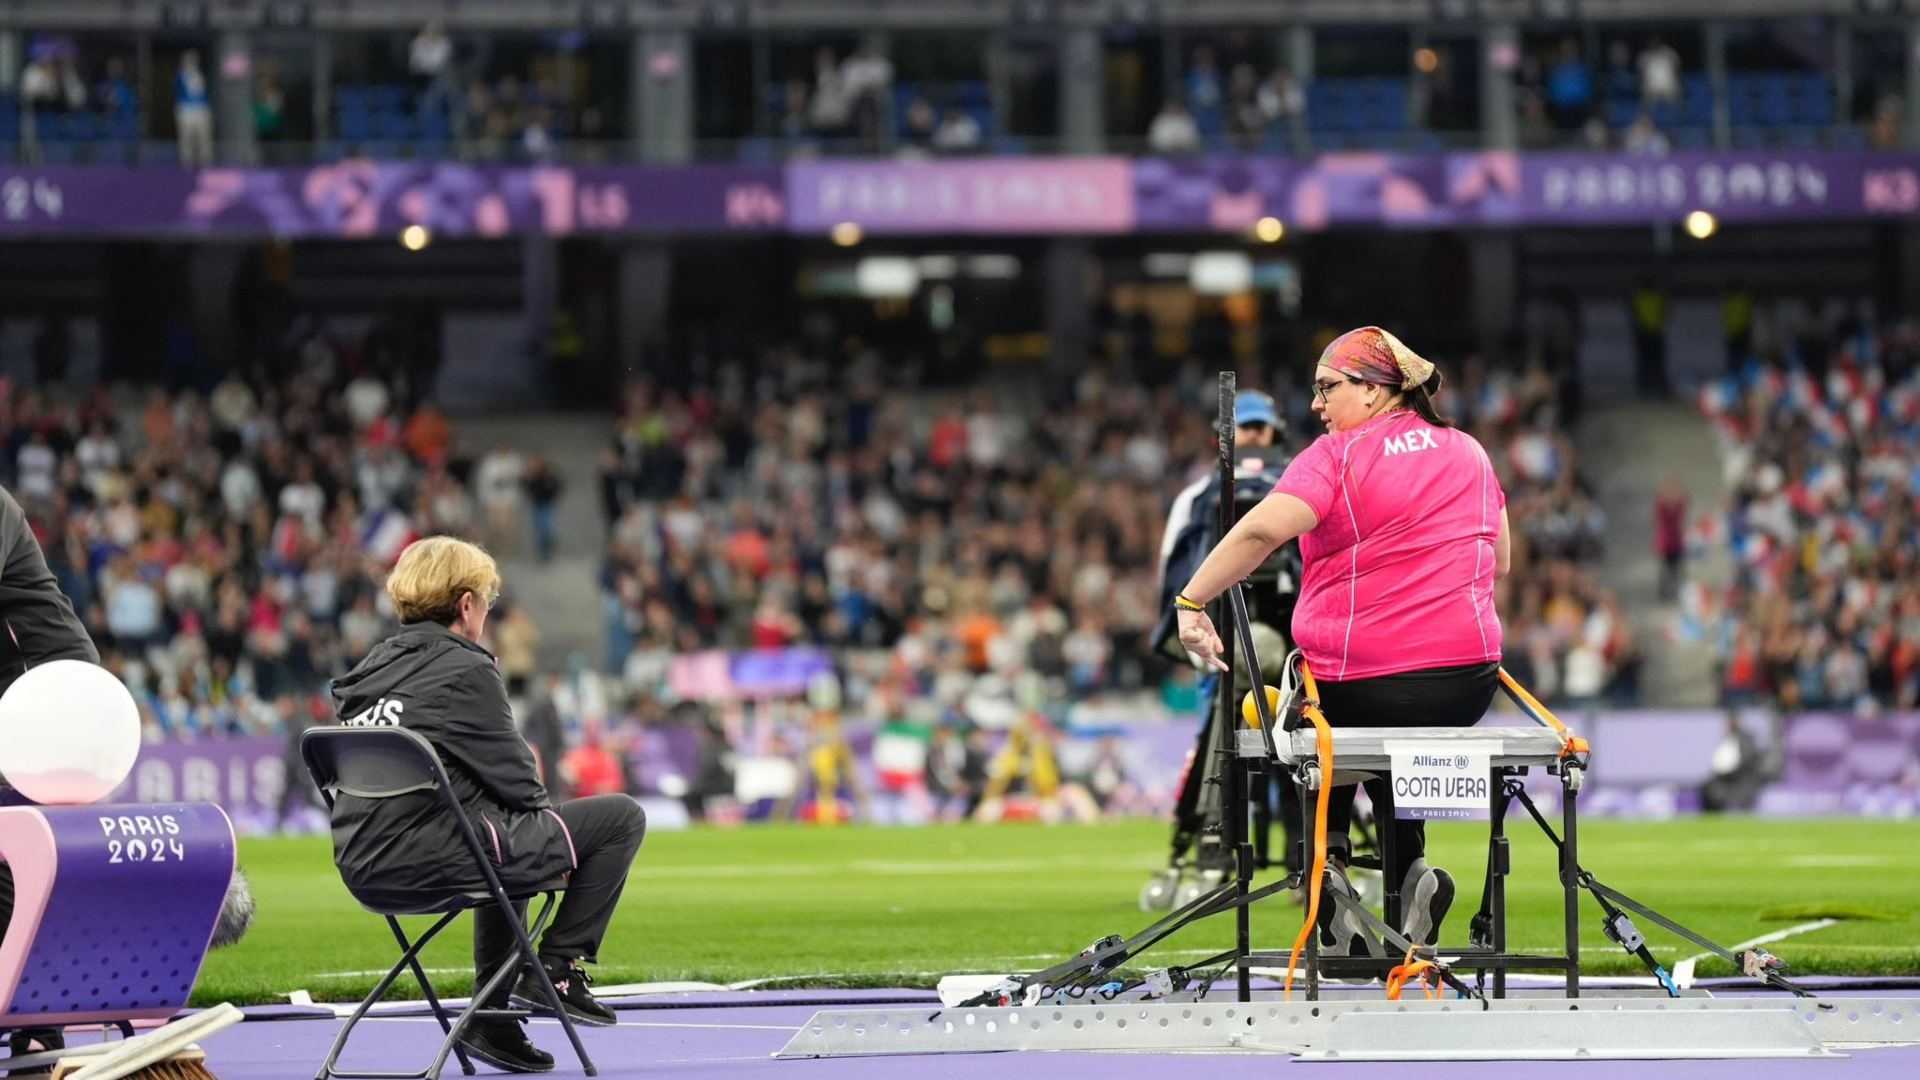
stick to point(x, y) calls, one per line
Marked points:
point(1200, 639)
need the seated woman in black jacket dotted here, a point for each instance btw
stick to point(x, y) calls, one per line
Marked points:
point(433, 677)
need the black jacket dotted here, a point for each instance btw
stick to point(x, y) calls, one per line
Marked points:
point(432, 681)
point(37, 621)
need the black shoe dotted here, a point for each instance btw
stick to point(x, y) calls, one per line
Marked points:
point(576, 994)
point(503, 1044)
point(34, 1041)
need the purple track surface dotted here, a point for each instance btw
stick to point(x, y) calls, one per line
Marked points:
point(708, 1035)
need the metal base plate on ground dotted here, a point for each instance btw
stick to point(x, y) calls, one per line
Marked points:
point(1776, 1027)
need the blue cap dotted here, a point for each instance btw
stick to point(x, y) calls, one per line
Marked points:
point(1254, 407)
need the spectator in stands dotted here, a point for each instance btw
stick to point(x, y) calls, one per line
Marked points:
point(1245, 122)
point(830, 105)
point(48, 84)
point(1205, 96)
point(959, 133)
point(430, 60)
point(192, 112)
point(543, 487)
point(1669, 535)
point(498, 479)
point(1282, 105)
point(921, 122)
point(1173, 131)
point(115, 92)
point(1659, 74)
point(867, 80)
point(1887, 130)
point(1644, 138)
point(269, 108)
point(1570, 88)
point(1622, 80)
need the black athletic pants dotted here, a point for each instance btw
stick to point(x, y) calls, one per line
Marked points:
point(1436, 697)
point(607, 830)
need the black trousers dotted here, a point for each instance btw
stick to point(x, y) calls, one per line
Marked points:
point(1436, 697)
point(607, 830)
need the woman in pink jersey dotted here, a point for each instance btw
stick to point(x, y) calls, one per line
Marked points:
point(1403, 530)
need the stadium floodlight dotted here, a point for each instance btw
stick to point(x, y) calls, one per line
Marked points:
point(889, 277)
point(1702, 225)
point(1220, 273)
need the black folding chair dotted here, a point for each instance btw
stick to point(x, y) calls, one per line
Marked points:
point(384, 763)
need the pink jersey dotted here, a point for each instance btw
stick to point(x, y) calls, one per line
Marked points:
point(1399, 571)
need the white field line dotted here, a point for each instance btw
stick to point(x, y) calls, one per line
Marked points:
point(1683, 971)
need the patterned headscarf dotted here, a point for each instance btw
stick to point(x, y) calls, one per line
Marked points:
point(1373, 355)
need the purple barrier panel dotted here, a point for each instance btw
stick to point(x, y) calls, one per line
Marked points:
point(245, 774)
point(365, 198)
point(762, 673)
point(125, 897)
point(1634, 748)
point(993, 195)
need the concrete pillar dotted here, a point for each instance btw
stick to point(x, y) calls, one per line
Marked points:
point(539, 285)
point(323, 87)
point(212, 271)
point(1902, 294)
point(1913, 84)
point(660, 73)
point(1083, 96)
point(1716, 40)
point(229, 74)
point(1495, 260)
point(1499, 105)
point(646, 289)
point(1069, 274)
point(11, 60)
point(1300, 61)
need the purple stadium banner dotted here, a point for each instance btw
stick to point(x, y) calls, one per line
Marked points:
point(363, 198)
point(1757, 186)
point(1228, 194)
point(987, 195)
point(1496, 189)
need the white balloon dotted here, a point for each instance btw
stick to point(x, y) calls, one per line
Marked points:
point(69, 733)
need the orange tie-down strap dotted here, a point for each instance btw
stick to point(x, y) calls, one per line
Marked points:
point(1424, 970)
point(1323, 743)
point(1570, 743)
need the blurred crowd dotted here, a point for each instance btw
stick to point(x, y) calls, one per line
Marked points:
point(1006, 535)
point(1241, 106)
point(1821, 436)
point(226, 548)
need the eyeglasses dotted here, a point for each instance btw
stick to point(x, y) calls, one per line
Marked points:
point(1323, 387)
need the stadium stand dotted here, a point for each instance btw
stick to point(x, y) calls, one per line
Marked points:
point(1823, 450)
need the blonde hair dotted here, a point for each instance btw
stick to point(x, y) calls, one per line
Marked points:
point(434, 573)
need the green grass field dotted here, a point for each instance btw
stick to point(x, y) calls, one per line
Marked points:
point(901, 907)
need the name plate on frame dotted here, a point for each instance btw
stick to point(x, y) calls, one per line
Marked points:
point(1438, 781)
